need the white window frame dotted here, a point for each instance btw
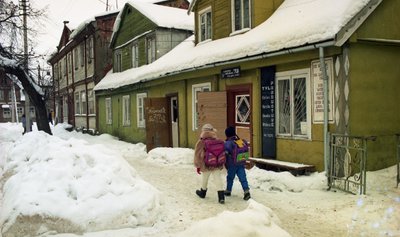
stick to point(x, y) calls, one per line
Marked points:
point(90, 50)
point(242, 18)
point(83, 101)
point(20, 111)
point(151, 49)
point(126, 110)
point(76, 57)
point(6, 113)
point(65, 106)
point(197, 88)
point(291, 75)
point(69, 57)
point(135, 55)
point(108, 106)
point(82, 54)
point(207, 25)
point(141, 120)
point(91, 102)
point(77, 98)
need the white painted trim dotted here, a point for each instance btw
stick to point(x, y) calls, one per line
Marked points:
point(289, 75)
point(201, 85)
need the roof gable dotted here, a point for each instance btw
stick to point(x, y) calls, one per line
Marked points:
point(160, 16)
point(64, 36)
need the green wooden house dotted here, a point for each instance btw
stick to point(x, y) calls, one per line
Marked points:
point(143, 33)
point(266, 67)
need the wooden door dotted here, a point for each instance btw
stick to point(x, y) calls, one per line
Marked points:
point(240, 111)
point(157, 123)
point(212, 108)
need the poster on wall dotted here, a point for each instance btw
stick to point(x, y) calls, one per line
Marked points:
point(318, 90)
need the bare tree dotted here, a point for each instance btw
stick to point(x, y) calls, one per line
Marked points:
point(12, 57)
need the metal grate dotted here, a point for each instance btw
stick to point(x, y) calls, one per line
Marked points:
point(300, 106)
point(284, 106)
point(348, 157)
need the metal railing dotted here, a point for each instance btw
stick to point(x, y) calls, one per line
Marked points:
point(347, 167)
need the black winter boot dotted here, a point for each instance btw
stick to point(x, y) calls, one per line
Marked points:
point(221, 197)
point(201, 193)
point(246, 195)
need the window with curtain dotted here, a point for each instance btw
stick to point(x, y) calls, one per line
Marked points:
point(77, 103)
point(126, 110)
point(151, 49)
point(241, 14)
point(135, 55)
point(91, 106)
point(83, 103)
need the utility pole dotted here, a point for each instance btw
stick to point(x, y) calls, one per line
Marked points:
point(107, 6)
point(24, 4)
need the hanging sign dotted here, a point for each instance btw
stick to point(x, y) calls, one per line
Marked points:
point(230, 72)
point(318, 90)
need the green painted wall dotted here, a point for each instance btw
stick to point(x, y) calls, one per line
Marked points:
point(133, 23)
point(375, 84)
point(375, 99)
point(130, 133)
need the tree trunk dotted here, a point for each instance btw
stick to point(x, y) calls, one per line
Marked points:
point(35, 97)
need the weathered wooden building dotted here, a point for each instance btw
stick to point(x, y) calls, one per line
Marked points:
point(143, 33)
point(82, 59)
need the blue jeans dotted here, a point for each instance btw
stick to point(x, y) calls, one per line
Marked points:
point(240, 171)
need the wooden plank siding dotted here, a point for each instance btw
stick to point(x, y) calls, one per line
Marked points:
point(261, 10)
point(221, 19)
point(126, 30)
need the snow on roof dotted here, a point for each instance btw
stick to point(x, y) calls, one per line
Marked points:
point(295, 23)
point(83, 24)
point(162, 16)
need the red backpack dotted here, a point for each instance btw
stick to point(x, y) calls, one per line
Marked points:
point(214, 152)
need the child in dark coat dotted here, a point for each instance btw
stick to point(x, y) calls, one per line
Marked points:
point(233, 167)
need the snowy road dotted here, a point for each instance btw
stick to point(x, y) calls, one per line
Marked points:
point(302, 204)
point(178, 184)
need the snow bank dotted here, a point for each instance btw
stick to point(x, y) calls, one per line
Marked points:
point(255, 221)
point(174, 156)
point(285, 181)
point(70, 186)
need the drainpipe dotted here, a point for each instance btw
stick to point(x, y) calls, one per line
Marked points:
point(326, 109)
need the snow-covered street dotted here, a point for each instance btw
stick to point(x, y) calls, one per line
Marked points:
point(98, 186)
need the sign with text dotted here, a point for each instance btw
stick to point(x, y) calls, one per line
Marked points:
point(230, 72)
point(318, 90)
point(268, 112)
